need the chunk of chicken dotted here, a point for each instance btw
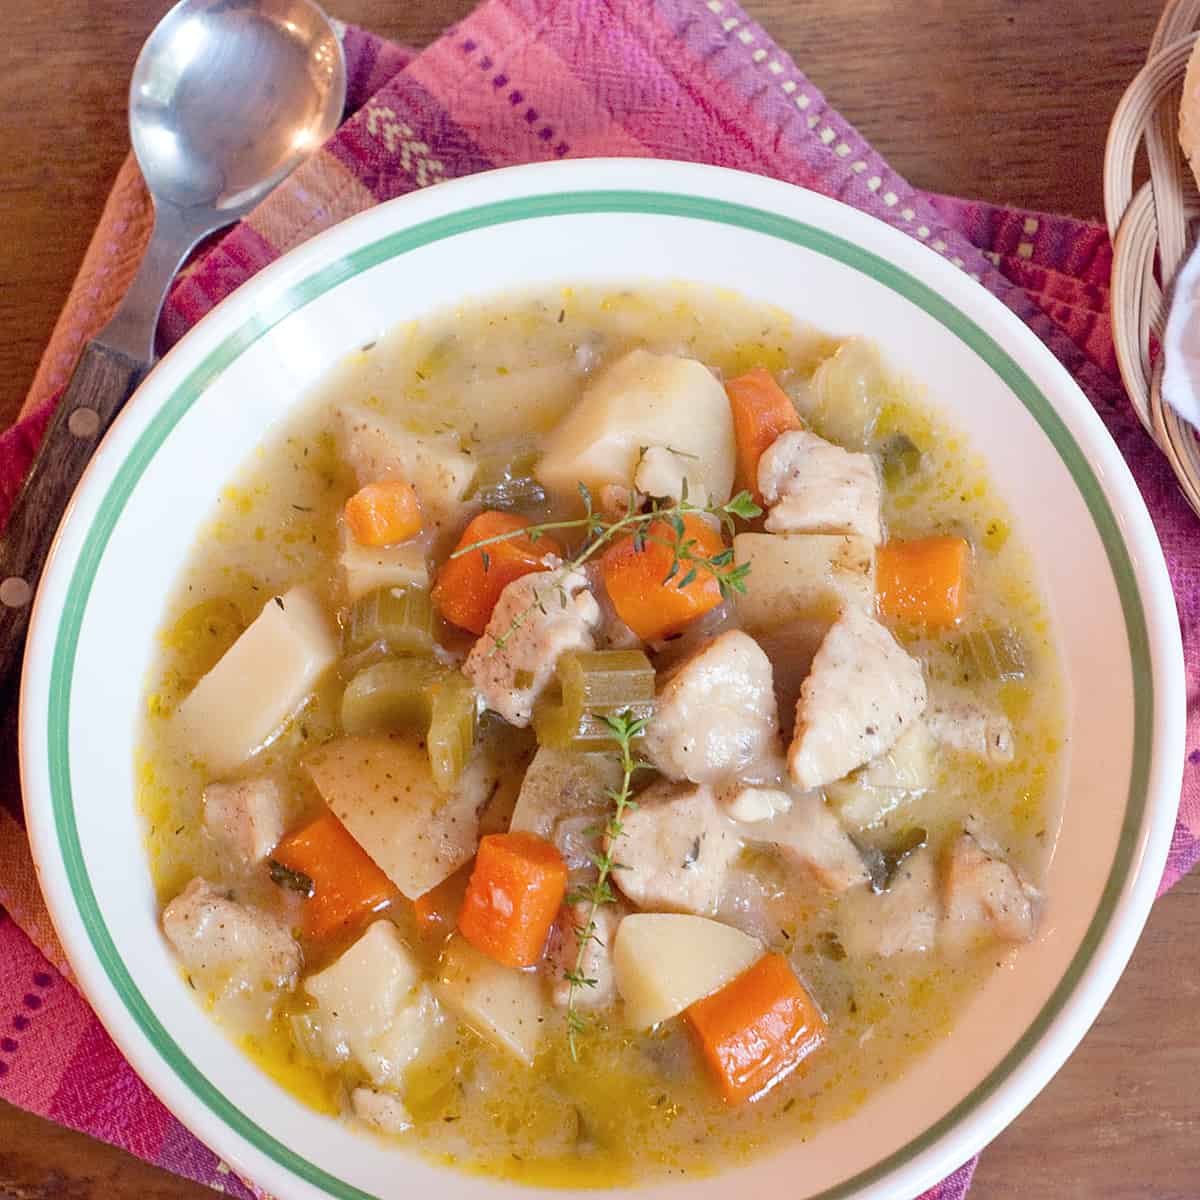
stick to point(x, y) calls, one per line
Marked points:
point(972, 729)
point(245, 818)
point(812, 486)
point(663, 474)
point(597, 965)
point(715, 716)
point(749, 802)
point(537, 618)
point(863, 693)
point(809, 835)
point(674, 850)
point(215, 936)
point(383, 1111)
point(983, 894)
point(901, 920)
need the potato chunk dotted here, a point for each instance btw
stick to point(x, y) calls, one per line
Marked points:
point(368, 568)
point(380, 448)
point(382, 790)
point(803, 577)
point(643, 400)
point(260, 681)
point(503, 1005)
point(666, 961)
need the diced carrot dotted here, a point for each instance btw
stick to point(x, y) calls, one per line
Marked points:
point(467, 588)
point(636, 578)
point(756, 1029)
point(382, 514)
point(437, 911)
point(347, 885)
point(515, 892)
point(762, 411)
point(922, 581)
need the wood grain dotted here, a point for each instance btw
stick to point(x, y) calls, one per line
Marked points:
point(1006, 99)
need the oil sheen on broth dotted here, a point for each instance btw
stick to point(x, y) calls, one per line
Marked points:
point(636, 1105)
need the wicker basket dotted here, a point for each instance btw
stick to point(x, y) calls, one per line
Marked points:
point(1150, 229)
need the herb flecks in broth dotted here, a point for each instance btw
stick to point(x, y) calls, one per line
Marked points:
point(541, 1074)
point(623, 729)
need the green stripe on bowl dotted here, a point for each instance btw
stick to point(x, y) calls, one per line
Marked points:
point(524, 209)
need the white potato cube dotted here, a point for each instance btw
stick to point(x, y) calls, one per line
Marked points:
point(382, 790)
point(366, 569)
point(260, 681)
point(371, 1006)
point(869, 794)
point(802, 577)
point(378, 447)
point(365, 987)
point(503, 1005)
point(558, 784)
point(643, 400)
point(667, 961)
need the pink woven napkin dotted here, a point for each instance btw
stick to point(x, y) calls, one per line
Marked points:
point(520, 81)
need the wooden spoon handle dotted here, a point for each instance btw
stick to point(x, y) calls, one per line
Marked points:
point(102, 382)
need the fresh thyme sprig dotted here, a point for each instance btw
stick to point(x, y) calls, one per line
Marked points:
point(623, 728)
point(600, 531)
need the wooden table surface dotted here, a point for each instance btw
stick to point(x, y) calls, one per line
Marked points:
point(1005, 99)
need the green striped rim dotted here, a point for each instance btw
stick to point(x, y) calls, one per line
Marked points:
point(506, 212)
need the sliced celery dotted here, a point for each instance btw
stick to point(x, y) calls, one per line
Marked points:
point(392, 694)
point(403, 618)
point(507, 481)
point(901, 458)
point(556, 718)
point(453, 710)
point(593, 734)
point(606, 680)
point(590, 684)
point(992, 654)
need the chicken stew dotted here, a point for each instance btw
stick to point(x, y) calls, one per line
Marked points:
point(604, 734)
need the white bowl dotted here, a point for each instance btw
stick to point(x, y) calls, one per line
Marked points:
point(154, 482)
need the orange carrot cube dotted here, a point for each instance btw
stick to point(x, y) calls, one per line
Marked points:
point(468, 587)
point(514, 895)
point(383, 514)
point(636, 578)
point(756, 1029)
point(347, 885)
point(761, 411)
point(922, 582)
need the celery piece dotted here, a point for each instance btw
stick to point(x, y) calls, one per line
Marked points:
point(507, 481)
point(556, 717)
point(402, 618)
point(593, 733)
point(453, 710)
point(992, 654)
point(588, 684)
point(606, 680)
point(391, 694)
point(901, 458)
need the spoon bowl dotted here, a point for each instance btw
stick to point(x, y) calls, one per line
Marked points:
point(227, 97)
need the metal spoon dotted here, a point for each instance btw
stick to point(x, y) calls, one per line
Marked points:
point(227, 98)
